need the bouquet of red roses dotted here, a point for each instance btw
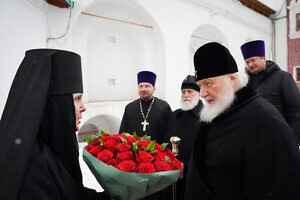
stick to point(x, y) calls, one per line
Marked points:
point(130, 167)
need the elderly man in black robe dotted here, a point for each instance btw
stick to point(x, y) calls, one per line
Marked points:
point(244, 148)
point(148, 114)
point(39, 149)
point(184, 123)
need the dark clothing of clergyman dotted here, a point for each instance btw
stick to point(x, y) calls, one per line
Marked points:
point(279, 88)
point(247, 152)
point(183, 124)
point(39, 150)
point(158, 118)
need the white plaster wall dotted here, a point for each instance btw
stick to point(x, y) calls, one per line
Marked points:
point(23, 27)
point(174, 22)
point(179, 19)
point(281, 38)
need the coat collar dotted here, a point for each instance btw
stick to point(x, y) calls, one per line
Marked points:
point(242, 97)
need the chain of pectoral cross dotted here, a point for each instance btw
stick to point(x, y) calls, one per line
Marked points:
point(145, 123)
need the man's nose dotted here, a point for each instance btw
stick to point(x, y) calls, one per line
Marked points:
point(185, 94)
point(82, 108)
point(203, 93)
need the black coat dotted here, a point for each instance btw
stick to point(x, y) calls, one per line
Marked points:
point(248, 152)
point(158, 119)
point(279, 88)
point(183, 124)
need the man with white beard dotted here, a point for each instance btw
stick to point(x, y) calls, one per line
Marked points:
point(244, 148)
point(184, 123)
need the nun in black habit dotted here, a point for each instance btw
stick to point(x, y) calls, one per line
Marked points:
point(39, 150)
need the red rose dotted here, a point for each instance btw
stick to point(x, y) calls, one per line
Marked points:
point(95, 150)
point(124, 155)
point(169, 154)
point(123, 147)
point(117, 137)
point(143, 156)
point(89, 147)
point(127, 166)
point(158, 155)
point(130, 139)
point(143, 144)
point(105, 155)
point(106, 137)
point(145, 168)
point(176, 164)
point(92, 144)
point(112, 162)
point(158, 147)
point(161, 166)
point(110, 144)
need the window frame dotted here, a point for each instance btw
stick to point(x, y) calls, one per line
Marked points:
point(296, 73)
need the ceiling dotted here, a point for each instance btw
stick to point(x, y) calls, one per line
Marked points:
point(258, 7)
point(58, 3)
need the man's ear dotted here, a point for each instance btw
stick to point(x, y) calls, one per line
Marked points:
point(232, 77)
point(154, 88)
point(264, 59)
point(233, 81)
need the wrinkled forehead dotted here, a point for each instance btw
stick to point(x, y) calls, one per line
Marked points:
point(145, 84)
point(253, 58)
point(211, 80)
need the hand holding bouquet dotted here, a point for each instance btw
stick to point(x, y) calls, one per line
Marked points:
point(130, 167)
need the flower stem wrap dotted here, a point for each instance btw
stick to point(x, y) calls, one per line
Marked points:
point(128, 185)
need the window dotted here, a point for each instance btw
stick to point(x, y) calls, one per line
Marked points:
point(297, 73)
point(294, 16)
point(298, 22)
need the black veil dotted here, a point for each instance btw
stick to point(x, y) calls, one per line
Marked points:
point(39, 150)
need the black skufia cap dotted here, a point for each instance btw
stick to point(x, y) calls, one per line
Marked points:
point(213, 59)
point(190, 83)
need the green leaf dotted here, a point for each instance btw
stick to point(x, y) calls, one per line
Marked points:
point(166, 158)
point(135, 147)
point(153, 151)
point(102, 133)
point(126, 134)
point(150, 146)
point(94, 137)
point(149, 138)
point(123, 140)
point(163, 145)
point(134, 134)
point(101, 142)
point(88, 139)
point(144, 138)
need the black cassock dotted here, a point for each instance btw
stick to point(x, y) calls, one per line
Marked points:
point(39, 150)
point(158, 118)
point(183, 124)
point(248, 152)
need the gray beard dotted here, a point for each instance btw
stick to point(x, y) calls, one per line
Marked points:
point(211, 111)
point(189, 105)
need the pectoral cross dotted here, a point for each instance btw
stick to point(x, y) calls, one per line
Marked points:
point(145, 123)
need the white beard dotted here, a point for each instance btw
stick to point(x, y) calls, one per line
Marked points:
point(189, 103)
point(211, 111)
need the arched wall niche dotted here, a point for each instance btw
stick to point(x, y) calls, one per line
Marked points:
point(204, 34)
point(118, 41)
